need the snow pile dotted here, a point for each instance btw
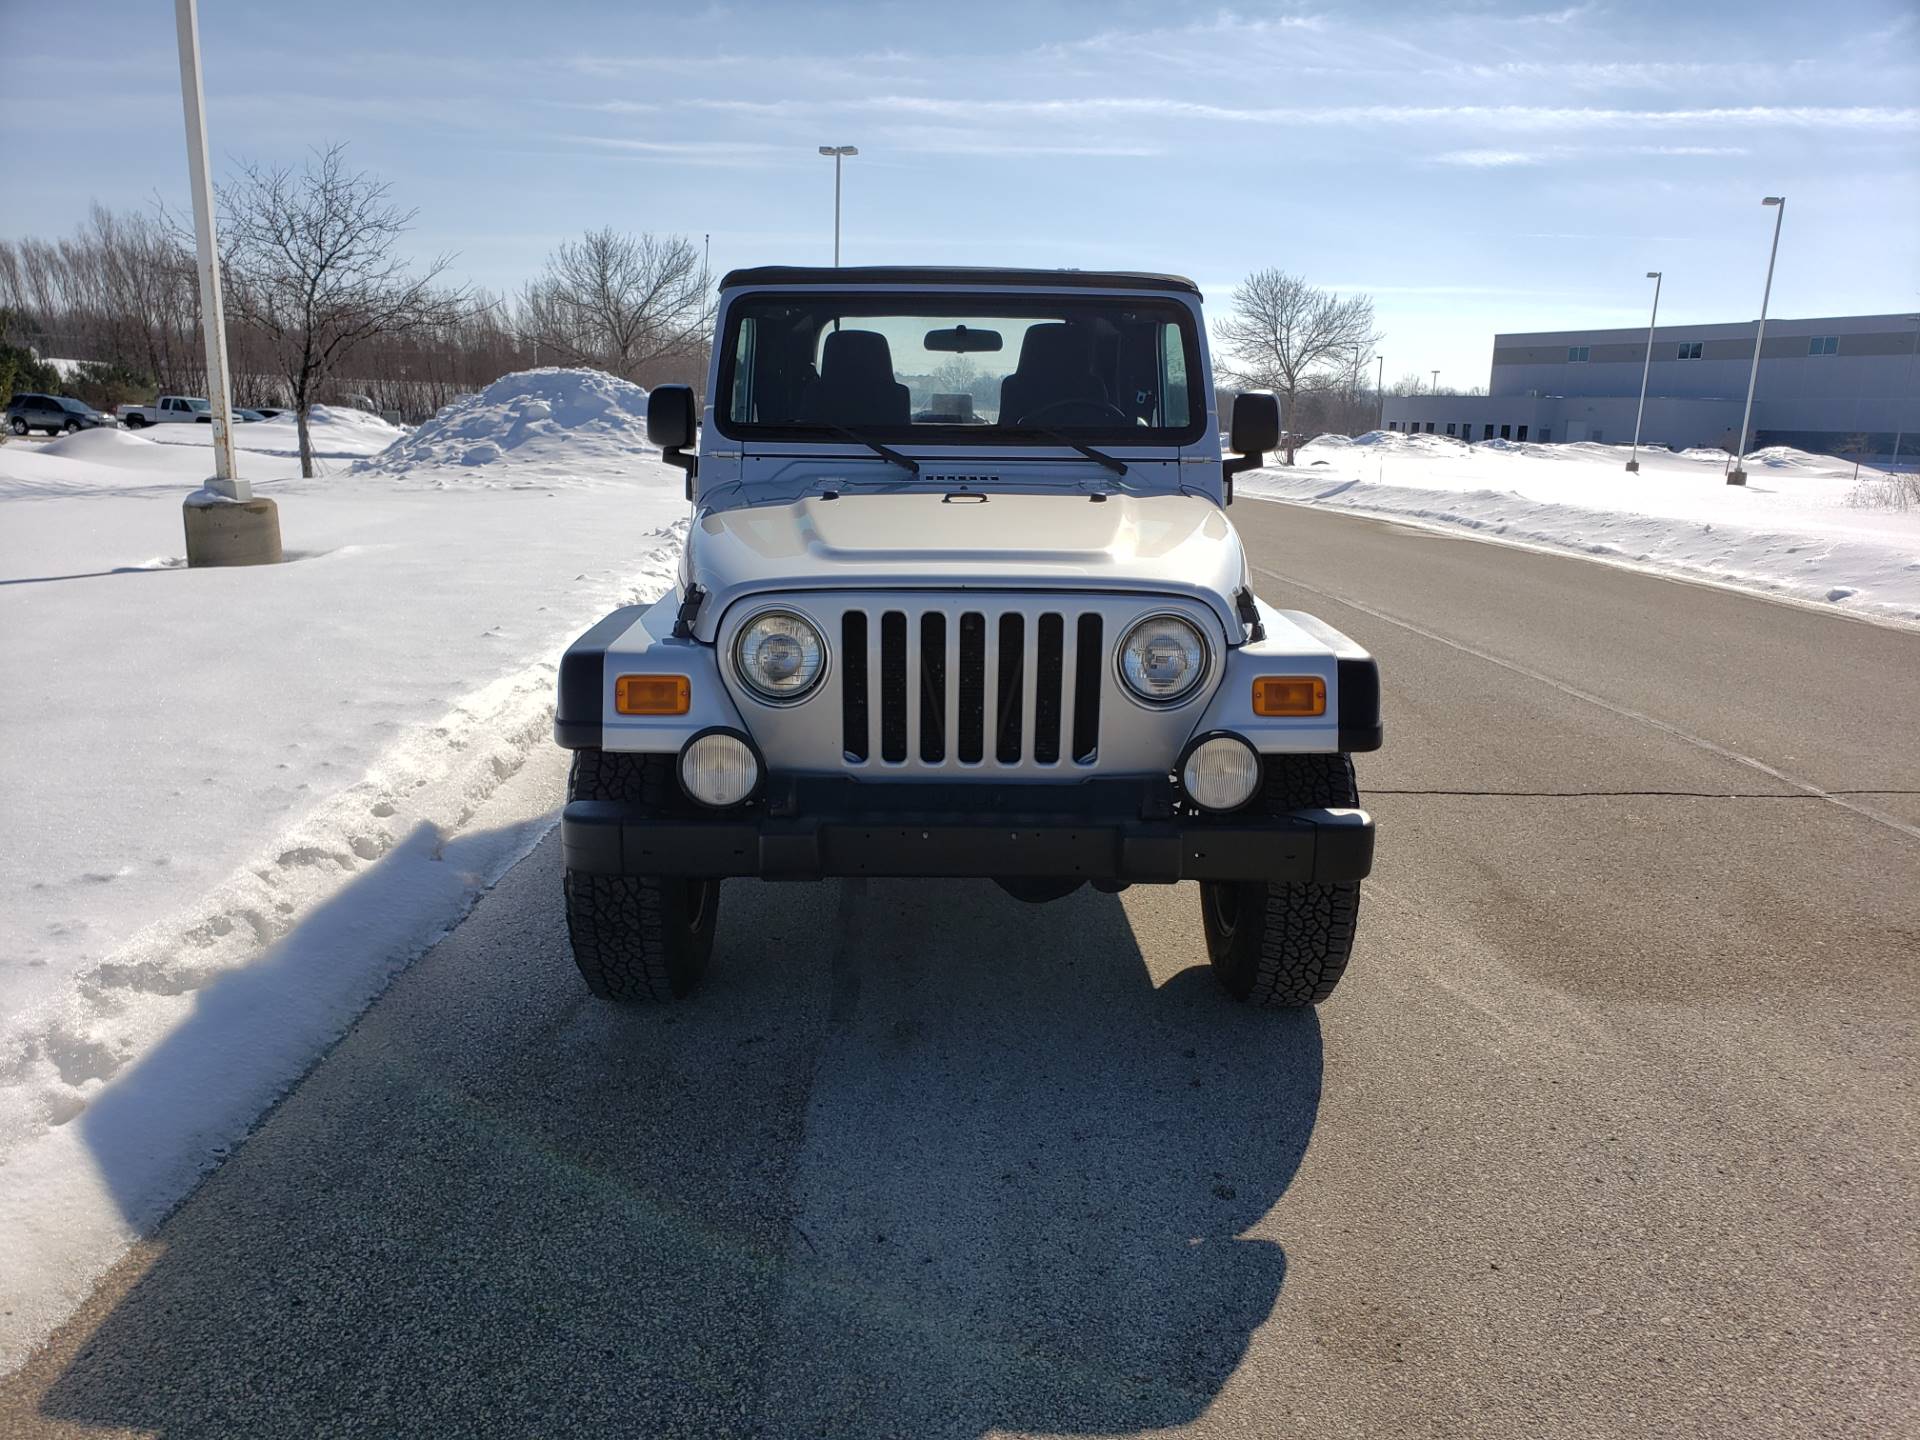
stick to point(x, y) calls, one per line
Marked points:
point(534, 426)
point(1797, 528)
point(238, 800)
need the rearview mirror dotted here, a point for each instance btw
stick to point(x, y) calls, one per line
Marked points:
point(670, 416)
point(1255, 428)
point(959, 340)
point(670, 425)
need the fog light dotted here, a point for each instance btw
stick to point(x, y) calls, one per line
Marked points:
point(719, 768)
point(1220, 772)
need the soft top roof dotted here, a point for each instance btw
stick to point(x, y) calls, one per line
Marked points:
point(910, 276)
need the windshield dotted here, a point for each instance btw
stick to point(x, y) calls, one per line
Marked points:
point(74, 406)
point(199, 407)
point(959, 370)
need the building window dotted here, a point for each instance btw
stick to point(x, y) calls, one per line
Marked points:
point(1579, 354)
point(1449, 427)
point(1429, 427)
point(1522, 434)
point(1489, 433)
point(1823, 345)
point(1393, 424)
point(1506, 432)
point(1687, 350)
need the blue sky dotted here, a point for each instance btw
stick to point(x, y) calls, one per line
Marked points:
point(1475, 166)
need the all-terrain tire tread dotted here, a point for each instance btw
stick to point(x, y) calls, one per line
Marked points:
point(1303, 932)
point(629, 933)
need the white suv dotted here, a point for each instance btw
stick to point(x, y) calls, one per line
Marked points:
point(960, 598)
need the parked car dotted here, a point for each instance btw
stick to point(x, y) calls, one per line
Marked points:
point(247, 416)
point(54, 414)
point(270, 412)
point(167, 410)
point(1019, 643)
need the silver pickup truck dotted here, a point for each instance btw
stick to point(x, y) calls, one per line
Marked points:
point(960, 597)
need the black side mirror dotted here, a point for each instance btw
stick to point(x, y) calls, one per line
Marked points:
point(1254, 430)
point(671, 417)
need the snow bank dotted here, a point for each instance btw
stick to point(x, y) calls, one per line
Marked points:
point(337, 433)
point(239, 800)
point(1795, 529)
point(526, 428)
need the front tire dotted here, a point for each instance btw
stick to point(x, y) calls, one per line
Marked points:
point(637, 939)
point(1285, 946)
point(72, 427)
point(136, 422)
point(17, 425)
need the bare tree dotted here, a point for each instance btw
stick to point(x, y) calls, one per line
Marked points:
point(620, 302)
point(310, 264)
point(1283, 330)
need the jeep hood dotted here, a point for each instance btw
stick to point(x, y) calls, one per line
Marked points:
point(1151, 544)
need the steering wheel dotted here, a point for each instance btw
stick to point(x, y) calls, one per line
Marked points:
point(1085, 404)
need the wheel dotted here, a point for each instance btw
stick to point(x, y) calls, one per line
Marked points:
point(136, 422)
point(18, 426)
point(637, 938)
point(72, 427)
point(1285, 945)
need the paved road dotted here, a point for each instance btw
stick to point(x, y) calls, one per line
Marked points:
point(1610, 1131)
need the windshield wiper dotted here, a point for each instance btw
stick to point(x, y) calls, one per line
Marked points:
point(1119, 467)
point(883, 451)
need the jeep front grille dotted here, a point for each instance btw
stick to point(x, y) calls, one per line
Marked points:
point(995, 685)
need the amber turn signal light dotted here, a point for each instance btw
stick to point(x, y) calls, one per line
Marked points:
point(1276, 695)
point(652, 695)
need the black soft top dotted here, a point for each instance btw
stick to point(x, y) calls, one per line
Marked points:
point(910, 276)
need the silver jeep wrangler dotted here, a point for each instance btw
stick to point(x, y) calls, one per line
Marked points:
point(960, 598)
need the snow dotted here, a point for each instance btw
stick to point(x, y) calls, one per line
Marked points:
point(1797, 529)
point(239, 800)
point(548, 422)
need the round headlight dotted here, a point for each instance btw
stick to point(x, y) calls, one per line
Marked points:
point(719, 769)
point(1163, 658)
point(1221, 772)
point(779, 655)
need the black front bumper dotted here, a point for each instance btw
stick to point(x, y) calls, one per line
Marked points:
point(1123, 831)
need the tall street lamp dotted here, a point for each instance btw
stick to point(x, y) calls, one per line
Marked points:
point(1738, 475)
point(1380, 394)
point(1633, 465)
point(839, 153)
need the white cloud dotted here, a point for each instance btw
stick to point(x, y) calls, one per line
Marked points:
point(1490, 159)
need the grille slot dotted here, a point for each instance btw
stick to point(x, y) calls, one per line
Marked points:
point(999, 687)
point(1086, 692)
point(973, 687)
point(1006, 745)
point(853, 688)
point(893, 686)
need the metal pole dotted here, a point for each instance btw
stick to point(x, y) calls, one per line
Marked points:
point(1738, 475)
point(1633, 465)
point(1380, 394)
point(1435, 390)
point(213, 323)
point(836, 208)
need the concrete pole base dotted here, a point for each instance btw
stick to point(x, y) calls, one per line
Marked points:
point(1633, 467)
point(1736, 477)
point(231, 532)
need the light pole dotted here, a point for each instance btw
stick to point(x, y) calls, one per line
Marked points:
point(225, 523)
point(1380, 393)
point(1900, 429)
point(1633, 465)
point(1738, 475)
point(1434, 389)
point(839, 153)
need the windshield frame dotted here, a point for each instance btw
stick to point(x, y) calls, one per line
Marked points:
point(942, 303)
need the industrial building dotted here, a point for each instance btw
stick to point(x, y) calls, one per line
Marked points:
point(1833, 385)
